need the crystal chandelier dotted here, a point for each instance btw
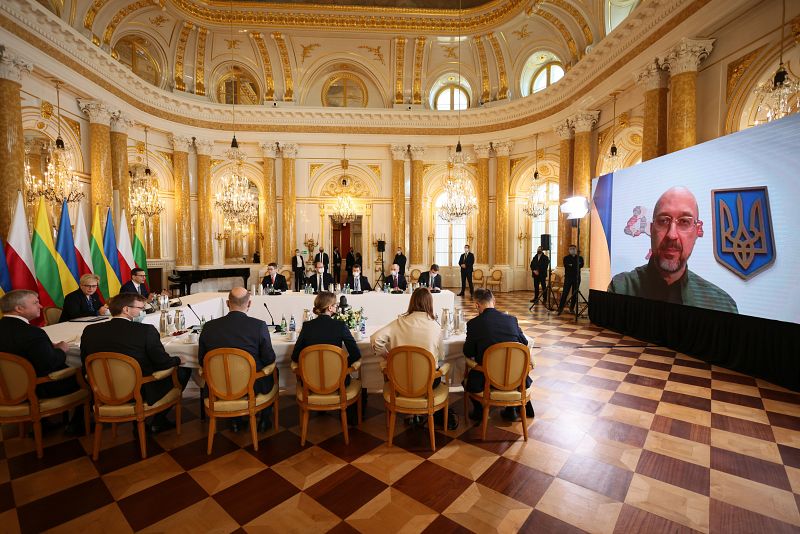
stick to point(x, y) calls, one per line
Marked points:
point(780, 95)
point(344, 211)
point(535, 205)
point(236, 202)
point(144, 196)
point(613, 159)
point(60, 184)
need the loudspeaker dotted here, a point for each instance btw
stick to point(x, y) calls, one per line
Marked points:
point(381, 246)
point(546, 241)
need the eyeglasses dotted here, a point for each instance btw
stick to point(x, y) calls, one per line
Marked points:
point(89, 286)
point(682, 224)
point(137, 307)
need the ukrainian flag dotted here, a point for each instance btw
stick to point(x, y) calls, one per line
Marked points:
point(65, 254)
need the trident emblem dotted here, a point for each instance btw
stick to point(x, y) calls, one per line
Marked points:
point(743, 240)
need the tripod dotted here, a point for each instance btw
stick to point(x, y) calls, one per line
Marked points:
point(579, 301)
point(382, 277)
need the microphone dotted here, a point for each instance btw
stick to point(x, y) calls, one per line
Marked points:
point(195, 314)
point(277, 327)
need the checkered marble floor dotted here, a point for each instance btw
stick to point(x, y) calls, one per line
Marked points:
point(628, 437)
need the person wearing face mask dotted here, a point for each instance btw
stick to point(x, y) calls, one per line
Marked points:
point(431, 279)
point(466, 262)
point(273, 279)
point(539, 264)
point(357, 281)
point(299, 270)
point(400, 261)
point(322, 256)
point(126, 334)
point(320, 280)
point(572, 278)
point(337, 265)
point(396, 280)
point(349, 261)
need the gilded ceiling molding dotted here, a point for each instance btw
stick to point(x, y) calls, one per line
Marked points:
point(502, 91)
point(399, 68)
point(91, 13)
point(575, 14)
point(737, 68)
point(288, 83)
point(484, 67)
point(200, 62)
point(179, 53)
point(349, 18)
point(269, 82)
point(419, 54)
point(555, 21)
point(121, 14)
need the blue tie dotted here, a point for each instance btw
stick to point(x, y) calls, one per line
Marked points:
point(91, 304)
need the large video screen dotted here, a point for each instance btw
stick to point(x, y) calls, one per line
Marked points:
point(714, 226)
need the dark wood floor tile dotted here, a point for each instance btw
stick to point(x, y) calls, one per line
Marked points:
point(597, 476)
point(680, 362)
point(125, 454)
point(346, 490)
point(6, 497)
point(162, 500)
point(277, 447)
point(689, 379)
point(415, 439)
point(641, 380)
point(582, 336)
point(580, 404)
point(255, 495)
point(573, 367)
point(517, 481)
point(541, 523)
point(790, 455)
point(445, 525)
point(498, 440)
point(634, 402)
point(616, 431)
point(786, 421)
point(632, 519)
point(737, 398)
point(742, 426)
point(290, 416)
point(658, 366)
point(686, 475)
point(433, 486)
point(660, 352)
point(63, 506)
point(601, 383)
point(194, 454)
point(25, 464)
point(681, 429)
point(613, 366)
point(565, 437)
point(736, 379)
point(633, 355)
point(782, 396)
point(342, 528)
point(360, 444)
point(690, 401)
point(750, 468)
point(725, 517)
point(594, 355)
point(553, 384)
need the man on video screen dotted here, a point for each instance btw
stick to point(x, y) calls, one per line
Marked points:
point(674, 229)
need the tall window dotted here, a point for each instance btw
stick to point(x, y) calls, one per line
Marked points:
point(450, 238)
point(547, 75)
point(542, 68)
point(617, 11)
point(548, 223)
point(138, 54)
point(344, 90)
point(237, 87)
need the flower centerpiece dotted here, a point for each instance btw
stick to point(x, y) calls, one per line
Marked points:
point(350, 317)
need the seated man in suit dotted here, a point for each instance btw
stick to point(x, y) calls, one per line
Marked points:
point(127, 334)
point(397, 282)
point(320, 280)
point(358, 282)
point(239, 331)
point(84, 301)
point(489, 327)
point(138, 284)
point(431, 279)
point(19, 337)
point(273, 280)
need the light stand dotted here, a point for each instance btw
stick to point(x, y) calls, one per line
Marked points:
point(576, 209)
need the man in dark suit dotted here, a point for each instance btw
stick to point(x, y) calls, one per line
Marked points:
point(138, 284)
point(320, 280)
point(466, 261)
point(539, 264)
point(239, 331)
point(572, 278)
point(400, 261)
point(126, 334)
point(322, 256)
point(19, 337)
point(337, 265)
point(273, 279)
point(432, 279)
point(324, 330)
point(299, 270)
point(489, 327)
point(349, 261)
point(84, 301)
point(397, 282)
point(357, 281)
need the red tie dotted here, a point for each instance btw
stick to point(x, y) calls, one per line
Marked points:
point(273, 279)
point(395, 281)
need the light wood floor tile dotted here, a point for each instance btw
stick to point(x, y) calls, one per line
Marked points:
point(392, 511)
point(52, 480)
point(226, 471)
point(484, 510)
point(627, 415)
point(640, 391)
point(755, 497)
point(690, 415)
point(609, 451)
point(682, 449)
point(308, 467)
point(688, 389)
point(538, 455)
point(297, 515)
point(141, 475)
point(467, 460)
point(204, 516)
point(670, 502)
point(745, 445)
point(741, 412)
point(587, 509)
point(109, 518)
point(388, 464)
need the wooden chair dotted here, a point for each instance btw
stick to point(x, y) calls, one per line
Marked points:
point(52, 315)
point(478, 279)
point(289, 278)
point(414, 275)
point(557, 286)
point(20, 404)
point(505, 366)
point(116, 381)
point(494, 279)
point(410, 372)
point(321, 372)
point(230, 375)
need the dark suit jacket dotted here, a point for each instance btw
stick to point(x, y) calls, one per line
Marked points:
point(139, 341)
point(349, 261)
point(324, 259)
point(337, 260)
point(425, 278)
point(280, 282)
point(301, 267)
point(540, 264)
point(572, 266)
point(468, 260)
point(128, 287)
point(239, 331)
point(327, 281)
point(324, 330)
point(362, 280)
point(400, 260)
point(490, 327)
point(76, 305)
point(401, 282)
point(31, 342)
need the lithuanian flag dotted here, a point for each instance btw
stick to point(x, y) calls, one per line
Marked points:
point(139, 254)
point(44, 260)
point(109, 283)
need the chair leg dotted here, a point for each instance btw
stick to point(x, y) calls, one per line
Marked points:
point(485, 421)
point(142, 439)
point(98, 434)
point(254, 430)
point(303, 426)
point(344, 426)
point(432, 431)
point(212, 429)
point(178, 417)
point(86, 422)
point(37, 438)
point(202, 406)
point(360, 415)
point(524, 422)
point(277, 412)
point(466, 403)
point(392, 420)
point(446, 410)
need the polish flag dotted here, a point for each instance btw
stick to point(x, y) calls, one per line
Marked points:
point(124, 250)
point(82, 253)
point(19, 256)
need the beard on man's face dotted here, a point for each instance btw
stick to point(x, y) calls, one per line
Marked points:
point(673, 249)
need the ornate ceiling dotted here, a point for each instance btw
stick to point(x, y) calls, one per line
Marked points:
point(401, 4)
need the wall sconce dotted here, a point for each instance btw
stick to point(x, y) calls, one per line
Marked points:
point(222, 236)
point(522, 236)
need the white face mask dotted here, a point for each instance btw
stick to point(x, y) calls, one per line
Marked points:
point(139, 318)
point(321, 270)
point(394, 273)
point(356, 274)
point(399, 252)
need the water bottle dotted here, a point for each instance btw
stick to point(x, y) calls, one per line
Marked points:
point(363, 327)
point(283, 323)
point(292, 324)
point(202, 322)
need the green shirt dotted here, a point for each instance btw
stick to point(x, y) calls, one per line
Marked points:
point(692, 290)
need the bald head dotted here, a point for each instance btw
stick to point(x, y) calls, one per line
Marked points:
point(238, 299)
point(677, 195)
point(673, 232)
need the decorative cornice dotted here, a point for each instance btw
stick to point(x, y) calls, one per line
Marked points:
point(180, 143)
point(289, 150)
point(651, 77)
point(417, 152)
point(97, 111)
point(564, 129)
point(204, 147)
point(121, 122)
point(482, 150)
point(399, 152)
point(687, 55)
point(502, 148)
point(269, 150)
point(584, 120)
point(12, 66)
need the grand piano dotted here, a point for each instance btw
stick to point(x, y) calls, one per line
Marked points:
point(183, 279)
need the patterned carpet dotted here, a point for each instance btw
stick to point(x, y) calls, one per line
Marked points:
point(627, 438)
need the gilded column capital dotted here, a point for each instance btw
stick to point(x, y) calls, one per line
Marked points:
point(97, 110)
point(651, 77)
point(564, 129)
point(121, 122)
point(584, 121)
point(417, 152)
point(399, 152)
point(13, 66)
point(204, 147)
point(269, 150)
point(180, 143)
point(503, 148)
point(289, 150)
point(687, 55)
point(482, 150)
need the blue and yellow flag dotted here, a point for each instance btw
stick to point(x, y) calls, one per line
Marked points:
point(5, 278)
point(65, 254)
